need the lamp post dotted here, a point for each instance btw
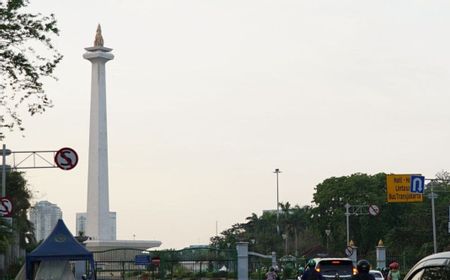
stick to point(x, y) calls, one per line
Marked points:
point(278, 171)
point(285, 236)
point(253, 242)
point(327, 232)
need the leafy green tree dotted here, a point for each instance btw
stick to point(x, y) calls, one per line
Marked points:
point(228, 237)
point(27, 56)
point(302, 229)
point(262, 235)
point(358, 189)
point(405, 228)
point(441, 188)
point(20, 196)
point(263, 231)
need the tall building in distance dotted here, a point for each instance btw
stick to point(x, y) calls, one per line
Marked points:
point(82, 222)
point(44, 216)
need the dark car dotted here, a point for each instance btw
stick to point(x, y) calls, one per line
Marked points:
point(433, 267)
point(335, 268)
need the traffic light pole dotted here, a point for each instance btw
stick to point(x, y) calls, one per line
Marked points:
point(354, 210)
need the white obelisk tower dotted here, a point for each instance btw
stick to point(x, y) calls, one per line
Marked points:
point(99, 224)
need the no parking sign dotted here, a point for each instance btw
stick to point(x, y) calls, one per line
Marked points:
point(66, 158)
point(6, 207)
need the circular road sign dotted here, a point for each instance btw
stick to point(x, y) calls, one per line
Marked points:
point(349, 251)
point(66, 158)
point(5, 207)
point(374, 210)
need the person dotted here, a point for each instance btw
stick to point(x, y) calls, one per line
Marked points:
point(394, 272)
point(301, 270)
point(311, 273)
point(363, 268)
point(385, 272)
point(271, 275)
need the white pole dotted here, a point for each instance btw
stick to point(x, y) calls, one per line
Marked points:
point(434, 220)
point(2, 256)
point(277, 171)
point(347, 215)
point(4, 171)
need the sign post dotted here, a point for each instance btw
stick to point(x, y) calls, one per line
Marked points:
point(417, 184)
point(6, 207)
point(349, 251)
point(5, 153)
point(400, 187)
point(66, 158)
point(374, 210)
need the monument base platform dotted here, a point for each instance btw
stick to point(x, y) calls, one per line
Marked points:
point(102, 245)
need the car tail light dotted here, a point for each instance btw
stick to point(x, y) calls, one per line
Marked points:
point(355, 271)
point(335, 262)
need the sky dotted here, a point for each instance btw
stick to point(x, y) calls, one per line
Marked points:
point(206, 98)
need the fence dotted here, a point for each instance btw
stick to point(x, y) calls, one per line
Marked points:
point(190, 263)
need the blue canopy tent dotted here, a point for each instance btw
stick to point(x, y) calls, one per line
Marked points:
point(59, 245)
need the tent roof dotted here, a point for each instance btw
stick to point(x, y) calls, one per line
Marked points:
point(60, 244)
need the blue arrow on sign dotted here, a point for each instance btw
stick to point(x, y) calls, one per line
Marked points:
point(417, 184)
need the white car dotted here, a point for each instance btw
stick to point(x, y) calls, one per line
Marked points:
point(377, 274)
point(436, 266)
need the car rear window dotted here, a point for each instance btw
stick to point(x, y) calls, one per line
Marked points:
point(376, 274)
point(333, 267)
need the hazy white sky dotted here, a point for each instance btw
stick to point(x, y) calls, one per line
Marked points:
point(207, 98)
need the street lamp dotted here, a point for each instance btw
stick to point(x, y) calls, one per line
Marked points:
point(278, 171)
point(285, 236)
point(327, 232)
point(252, 242)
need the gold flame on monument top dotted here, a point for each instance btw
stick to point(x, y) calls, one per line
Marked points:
point(98, 37)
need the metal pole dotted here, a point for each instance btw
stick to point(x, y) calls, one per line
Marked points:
point(347, 215)
point(434, 220)
point(2, 256)
point(449, 219)
point(296, 242)
point(278, 205)
point(285, 245)
point(327, 233)
point(277, 171)
point(4, 171)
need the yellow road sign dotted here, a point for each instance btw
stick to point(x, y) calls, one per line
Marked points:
point(399, 189)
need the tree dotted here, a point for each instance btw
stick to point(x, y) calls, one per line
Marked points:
point(229, 237)
point(21, 233)
point(405, 228)
point(27, 57)
point(262, 235)
point(358, 189)
point(20, 196)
